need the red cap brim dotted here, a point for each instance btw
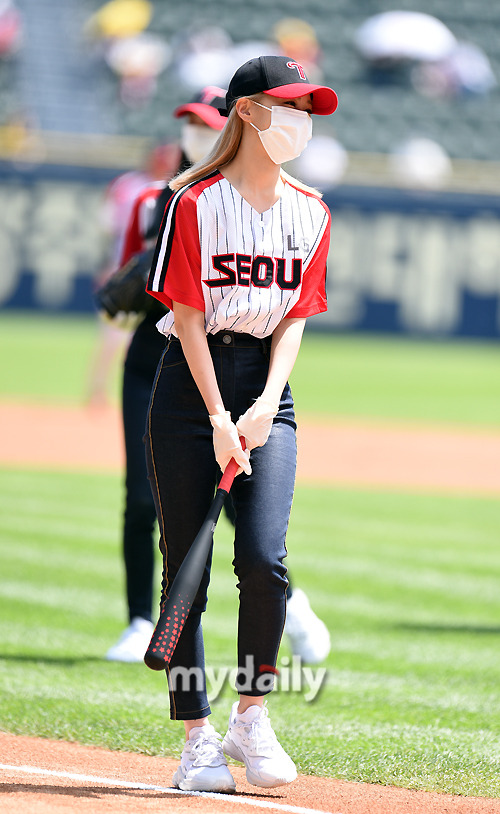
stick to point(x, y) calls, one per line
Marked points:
point(324, 99)
point(209, 114)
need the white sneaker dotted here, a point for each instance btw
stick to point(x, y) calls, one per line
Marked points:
point(308, 635)
point(203, 765)
point(251, 740)
point(133, 643)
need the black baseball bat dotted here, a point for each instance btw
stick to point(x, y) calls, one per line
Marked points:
point(176, 607)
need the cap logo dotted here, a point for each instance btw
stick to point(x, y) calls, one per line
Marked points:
point(300, 69)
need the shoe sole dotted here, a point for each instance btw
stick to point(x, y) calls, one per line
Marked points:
point(220, 788)
point(232, 751)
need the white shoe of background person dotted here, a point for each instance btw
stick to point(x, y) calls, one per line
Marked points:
point(308, 635)
point(251, 740)
point(203, 765)
point(134, 641)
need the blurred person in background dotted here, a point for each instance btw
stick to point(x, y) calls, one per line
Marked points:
point(420, 50)
point(308, 636)
point(204, 53)
point(323, 164)
point(135, 56)
point(119, 197)
point(138, 62)
point(11, 29)
point(298, 39)
point(119, 18)
point(420, 163)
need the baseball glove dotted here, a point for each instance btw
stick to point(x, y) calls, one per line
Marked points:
point(125, 291)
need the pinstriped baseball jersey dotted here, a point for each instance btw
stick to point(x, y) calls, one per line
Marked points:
point(244, 269)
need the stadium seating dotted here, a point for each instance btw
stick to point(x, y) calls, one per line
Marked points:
point(74, 89)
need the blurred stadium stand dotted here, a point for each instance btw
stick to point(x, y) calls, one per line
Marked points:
point(60, 81)
point(408, 259)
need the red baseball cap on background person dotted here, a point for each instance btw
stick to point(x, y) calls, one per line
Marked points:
point(281, 77)
point(206, 105)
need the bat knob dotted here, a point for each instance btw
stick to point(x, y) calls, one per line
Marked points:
point(153, 662)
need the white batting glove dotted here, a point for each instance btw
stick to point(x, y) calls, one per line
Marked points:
point(227, 443)
point(255, 425)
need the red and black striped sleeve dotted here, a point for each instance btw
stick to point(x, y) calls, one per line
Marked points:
point(176, 269)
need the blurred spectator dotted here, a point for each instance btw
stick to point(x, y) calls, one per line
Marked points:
point(207, 54)
point(120, 18)
point(440, 66)
point(138, 61)
point(322, 164)
point(20, 141)
point(466, 71)
point(137, 58)
point(10, 28)
point(297, 38)
point(420, 163)
point(397, 36)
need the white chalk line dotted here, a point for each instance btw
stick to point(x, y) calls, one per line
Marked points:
point(211, 795)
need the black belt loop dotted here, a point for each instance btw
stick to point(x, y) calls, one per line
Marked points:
point(266, 346)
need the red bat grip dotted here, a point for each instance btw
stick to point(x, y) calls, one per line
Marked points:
point(230, 471)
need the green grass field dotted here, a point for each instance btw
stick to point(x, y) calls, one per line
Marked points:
point(407, 584)
point(48, 359)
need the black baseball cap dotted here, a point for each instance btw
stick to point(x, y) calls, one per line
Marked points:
point(206, 105)
point(281, 77)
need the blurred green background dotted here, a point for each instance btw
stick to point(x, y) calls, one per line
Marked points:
point(50, 358)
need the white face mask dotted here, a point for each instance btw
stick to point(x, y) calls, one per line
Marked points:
point(287, 135)
point(197, 140)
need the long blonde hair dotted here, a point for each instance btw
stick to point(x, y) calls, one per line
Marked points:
point(223, 151)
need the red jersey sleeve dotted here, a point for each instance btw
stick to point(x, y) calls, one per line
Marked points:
point(133, 242)
point(176, 269)
point(313, 295)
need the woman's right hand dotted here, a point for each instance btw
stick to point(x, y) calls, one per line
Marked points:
point(255, 425)
point(227, 443)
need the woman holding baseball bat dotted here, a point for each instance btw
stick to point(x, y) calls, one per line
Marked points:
point(240, 262)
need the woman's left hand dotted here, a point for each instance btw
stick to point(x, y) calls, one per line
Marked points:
point(255, 425)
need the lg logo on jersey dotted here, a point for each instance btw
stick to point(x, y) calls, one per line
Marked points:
point(303, 245)
point(261, 271)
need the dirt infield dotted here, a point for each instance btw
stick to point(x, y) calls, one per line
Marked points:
point(347, 453)
point(39, 776)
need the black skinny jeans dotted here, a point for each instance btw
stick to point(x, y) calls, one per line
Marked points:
point(139, 515)
point(183, 474)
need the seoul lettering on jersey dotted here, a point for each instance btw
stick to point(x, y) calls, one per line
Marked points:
point(260, 271)
point(246, 270)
